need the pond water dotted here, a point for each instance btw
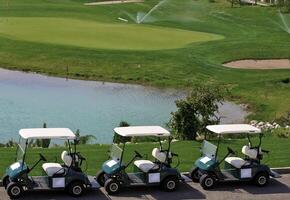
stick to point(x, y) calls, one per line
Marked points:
point(28, 100)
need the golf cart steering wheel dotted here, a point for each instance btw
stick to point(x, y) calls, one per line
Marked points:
point(138, 154)
point(231, 151)
point(42, 157)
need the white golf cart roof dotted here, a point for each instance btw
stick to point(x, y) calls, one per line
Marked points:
point(141, 131)
point(233, 128)
point(47, 133)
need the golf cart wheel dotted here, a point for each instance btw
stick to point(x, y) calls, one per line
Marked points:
point(170, 184)
point(261, 179)
point(194, 175)
point(76, 189)
point(101, 178)
point(112, 186)
point(14, 190)
point(207, 181)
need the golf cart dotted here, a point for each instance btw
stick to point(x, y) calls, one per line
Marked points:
point(113, 175)
point(207, 169)
point(67, 176)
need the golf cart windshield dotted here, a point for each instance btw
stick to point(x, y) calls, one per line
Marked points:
point(209, 149)
point(20, 149)
point(116, 152)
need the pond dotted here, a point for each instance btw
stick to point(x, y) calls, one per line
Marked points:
point(28, 100)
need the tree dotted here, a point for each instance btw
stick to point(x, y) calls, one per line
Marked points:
point(85, 139)
point(45, 142)
point(117, 138)
point(196, 111)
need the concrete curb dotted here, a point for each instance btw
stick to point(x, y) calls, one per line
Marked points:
point(280, 170)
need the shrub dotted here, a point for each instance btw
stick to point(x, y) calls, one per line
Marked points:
point(281, 132)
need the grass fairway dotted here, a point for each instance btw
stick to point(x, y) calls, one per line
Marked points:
point(178, 45)
point(188, 152)
point(90, 34)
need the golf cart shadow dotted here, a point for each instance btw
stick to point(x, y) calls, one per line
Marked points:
point(61, 195)
point(274, 187)
point(184, 191)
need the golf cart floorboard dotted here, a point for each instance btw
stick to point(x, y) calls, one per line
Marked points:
point(136, 180)
point(229, 177)
point(40, 183)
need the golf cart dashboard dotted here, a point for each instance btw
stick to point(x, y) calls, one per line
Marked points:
point(205, 163)
point(112, 166)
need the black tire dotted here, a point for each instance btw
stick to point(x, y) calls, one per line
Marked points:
point(101, 178)
point(207, 181)
point(112, 186)
point(261, 179)
point(14, 190)
point(76, 189)
point(170, 184)
point(194, 174)
point(6, 181)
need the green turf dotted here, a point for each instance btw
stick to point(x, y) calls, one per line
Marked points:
point(188, 152)
point(248, 31)
point(89, 34)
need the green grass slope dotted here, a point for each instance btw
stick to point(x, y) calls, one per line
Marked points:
point(167, 55)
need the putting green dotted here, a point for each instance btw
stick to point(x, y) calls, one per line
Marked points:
point(96, 35)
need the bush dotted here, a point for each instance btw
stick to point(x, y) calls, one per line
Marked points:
point(281, 132)
point(284, 120)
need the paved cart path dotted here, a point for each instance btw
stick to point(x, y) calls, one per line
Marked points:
point(277, 189)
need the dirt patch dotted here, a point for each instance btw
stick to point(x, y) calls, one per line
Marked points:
point(260, 64)
point(112, 2)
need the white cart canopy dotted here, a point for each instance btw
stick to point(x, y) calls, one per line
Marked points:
point(47, 133)
point(141, 131)
point(233, 128)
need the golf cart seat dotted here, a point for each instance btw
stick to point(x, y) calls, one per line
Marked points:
point(159, 155)
point(251, 153)
point(146, 165)
point(52, 168)
point(56, 168)
point(236, 161)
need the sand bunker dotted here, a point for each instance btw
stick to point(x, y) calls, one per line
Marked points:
point(260, 64)
point(113, 2)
